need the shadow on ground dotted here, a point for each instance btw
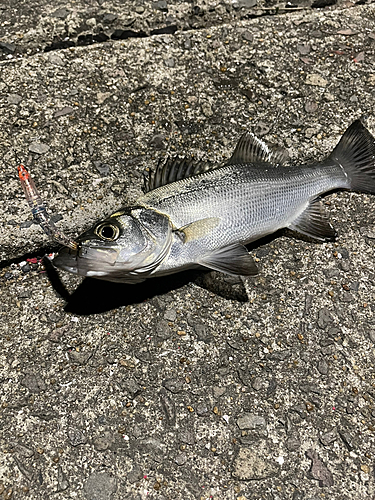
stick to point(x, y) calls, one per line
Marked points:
point(95, 296)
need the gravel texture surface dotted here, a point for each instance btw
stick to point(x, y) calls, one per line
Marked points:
point(167, 390)
point(29, 26)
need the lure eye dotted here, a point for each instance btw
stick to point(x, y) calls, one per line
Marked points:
point(108, 232)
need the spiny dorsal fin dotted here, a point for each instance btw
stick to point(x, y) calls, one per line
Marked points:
point(313, 222)
point(172, 170)
point(233, 259)
point(251, 149)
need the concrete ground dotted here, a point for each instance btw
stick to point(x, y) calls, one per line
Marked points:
point(170, 390)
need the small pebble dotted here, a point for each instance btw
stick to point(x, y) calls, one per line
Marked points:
point(181, 459)
point(316, 80)
point(258, 383)
point(67, 110)
point(202, 409)
point(170, 62)
point(38, 147)
point(26, 268)
point(323, 367)
point(310, 106)
point(328, 437)
point(8, 48)
point(251, 421)
point(170, 315)
point(14, 99)
point(206, 109)
point(304, 49)
point(246, 35)
point(157, 141)
point(61, 13)
point(161, 5)
point(365, 468)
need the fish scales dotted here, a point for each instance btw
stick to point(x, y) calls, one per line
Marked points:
point(251, 201)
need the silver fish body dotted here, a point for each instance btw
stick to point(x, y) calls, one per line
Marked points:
point(241, 203)
point(196, 218)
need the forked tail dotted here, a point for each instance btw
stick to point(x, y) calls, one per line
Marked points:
point(355, 153)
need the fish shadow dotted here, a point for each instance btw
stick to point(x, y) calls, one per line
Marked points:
point(95, 296)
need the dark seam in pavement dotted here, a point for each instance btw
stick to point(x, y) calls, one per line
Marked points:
point(123, 34)
point(29, 255)
point(83, 40)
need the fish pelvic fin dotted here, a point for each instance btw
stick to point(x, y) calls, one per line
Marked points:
point(313, 222)
point(251, 149)
point(233, 259)
point(355, 154)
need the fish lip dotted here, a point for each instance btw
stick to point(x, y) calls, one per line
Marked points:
point(108, 255)
point(86, 261)
point(64, 256)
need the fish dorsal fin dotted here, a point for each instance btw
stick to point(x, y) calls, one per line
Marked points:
point(198, 229)
point(233, 259)
point(172, 170)
point(251, 149)
point(313, 222)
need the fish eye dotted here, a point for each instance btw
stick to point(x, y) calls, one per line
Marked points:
point(107, 232)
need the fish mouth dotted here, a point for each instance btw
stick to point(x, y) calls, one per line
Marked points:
point(86, 261)
point(97, 263)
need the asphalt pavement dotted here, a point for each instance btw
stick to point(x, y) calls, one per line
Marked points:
point(261, 388)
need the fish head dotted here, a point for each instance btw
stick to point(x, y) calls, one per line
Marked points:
point(125, 247)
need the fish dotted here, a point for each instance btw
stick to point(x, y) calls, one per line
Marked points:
point(194, 215)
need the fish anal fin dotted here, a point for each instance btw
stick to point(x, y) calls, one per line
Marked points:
point(172, 170)
point(251, 149)
point(313, 222)
point(198, 229)
point(233, 259)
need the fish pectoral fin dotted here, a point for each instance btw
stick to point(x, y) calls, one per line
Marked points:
point(313, 222)
point(234, 259)
point(251, 149)
point(198, 229)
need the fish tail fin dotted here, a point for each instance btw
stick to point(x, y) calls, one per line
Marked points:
point(355, 153)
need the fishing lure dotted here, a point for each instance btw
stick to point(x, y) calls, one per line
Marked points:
point(39, 211)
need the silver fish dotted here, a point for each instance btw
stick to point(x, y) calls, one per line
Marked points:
point(195, 216)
